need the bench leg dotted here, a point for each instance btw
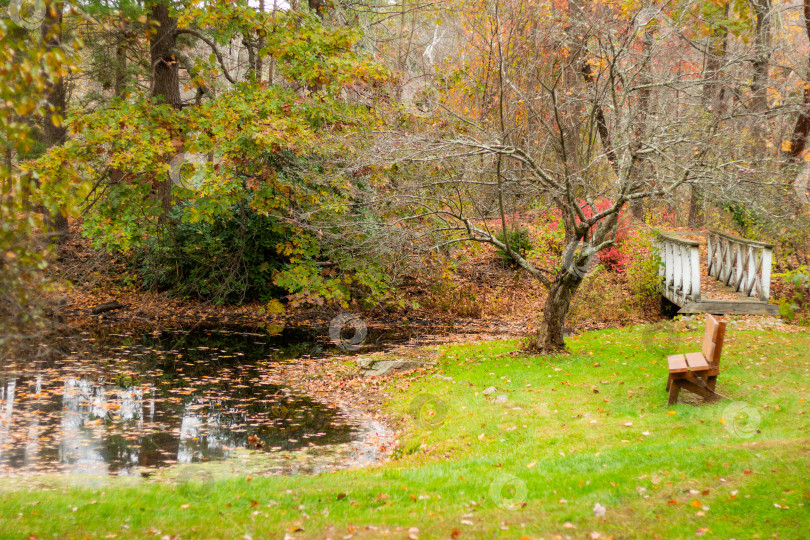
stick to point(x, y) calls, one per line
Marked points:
point(711, 382)
point(699, 386)
point(674, 390)
point(669, 381)
point(702, 391)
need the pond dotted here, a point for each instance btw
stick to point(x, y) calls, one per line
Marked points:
point(126, 404)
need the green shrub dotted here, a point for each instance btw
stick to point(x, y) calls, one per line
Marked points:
point(519, 241)
point(226, 260)
point(642, 271)
point(795, 305)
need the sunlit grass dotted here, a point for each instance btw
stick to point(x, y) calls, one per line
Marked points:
point(591, 427)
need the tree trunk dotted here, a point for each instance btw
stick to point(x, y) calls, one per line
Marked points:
point(798, 140)
point(318, 6)
point(549, 338)
point(259, 47)
point(762, 55)
point(695, 207)
point(712, 100)
point(53, 128)
point(165, 82)
point(119, 85)
point(251, 69)
point(641, 168)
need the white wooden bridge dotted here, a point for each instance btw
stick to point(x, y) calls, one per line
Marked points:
point(734, 277)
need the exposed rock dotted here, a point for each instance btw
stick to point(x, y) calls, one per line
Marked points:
point(364, 362)
point(488, 391)
point(501, 399)
point(381, 368)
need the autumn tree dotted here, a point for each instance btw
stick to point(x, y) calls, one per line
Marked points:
point(207, 186)
point(580, 111)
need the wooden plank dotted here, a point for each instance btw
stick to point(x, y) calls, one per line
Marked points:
point(694, 258)
point(714, 358)
point(740, 239)
point(709, 336)
point(765, 275)
point(671, 237)
point(674, 390)
point(704, 391)
point(677, 363)
point(696, 361)
point(736, 307)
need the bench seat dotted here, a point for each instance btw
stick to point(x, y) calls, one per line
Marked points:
point(697, 371)
point(679, 363)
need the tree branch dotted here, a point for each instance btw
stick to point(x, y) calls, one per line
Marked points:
point(214, 48)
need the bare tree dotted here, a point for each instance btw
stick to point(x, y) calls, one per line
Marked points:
point(579, 119)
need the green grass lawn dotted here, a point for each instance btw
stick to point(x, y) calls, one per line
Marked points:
point(591, 427)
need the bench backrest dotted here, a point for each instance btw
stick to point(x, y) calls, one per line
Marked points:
point(713, 340)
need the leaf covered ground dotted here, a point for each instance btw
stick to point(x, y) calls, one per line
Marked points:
point(495, 443)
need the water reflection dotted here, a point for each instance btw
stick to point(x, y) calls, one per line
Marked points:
point(119, 404)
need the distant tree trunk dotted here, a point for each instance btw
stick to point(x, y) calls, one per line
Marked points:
point(251, 69)
point(120, 81)
point(798, 140)
point(259, 47)
point(645, 81)
point(165, 81)
point(53, 128)
point(713, 97)
point(119, 87)
point(762, 54)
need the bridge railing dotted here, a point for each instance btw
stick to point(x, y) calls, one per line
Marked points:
point(742, 264)
point(680, 268)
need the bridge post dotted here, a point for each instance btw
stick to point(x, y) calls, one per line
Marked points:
point(694, 259)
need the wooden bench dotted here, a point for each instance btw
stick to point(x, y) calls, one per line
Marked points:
point(697, 371)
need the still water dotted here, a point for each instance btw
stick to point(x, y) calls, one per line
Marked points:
point(124, 404)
